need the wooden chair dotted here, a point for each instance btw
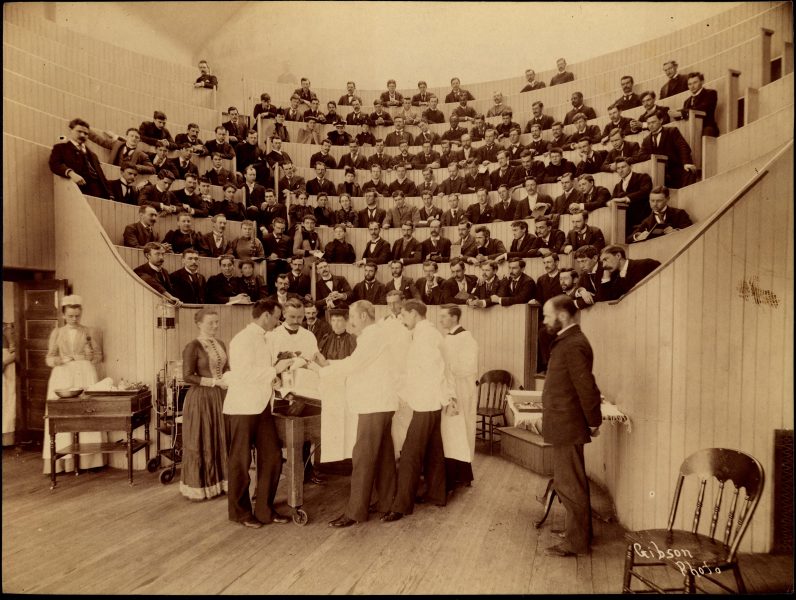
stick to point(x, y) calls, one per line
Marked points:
point(697, 556)
point(492, 389)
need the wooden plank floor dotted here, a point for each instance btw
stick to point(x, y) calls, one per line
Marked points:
point(95, 534)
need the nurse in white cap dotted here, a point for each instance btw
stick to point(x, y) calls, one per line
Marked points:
point(73, 353)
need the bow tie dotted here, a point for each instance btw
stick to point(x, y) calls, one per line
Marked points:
point(293, 332)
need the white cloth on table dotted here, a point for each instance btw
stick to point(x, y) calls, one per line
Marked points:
point(461, 367)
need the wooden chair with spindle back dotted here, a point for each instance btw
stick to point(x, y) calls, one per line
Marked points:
point(697, 556)
point(492, 389)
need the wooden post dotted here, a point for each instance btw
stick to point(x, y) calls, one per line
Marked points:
point(765, 58)
point(787, 58)
point(657, 170)
point(751, 106)
point(694, 135)
point(531, 346)
point(709, 160)
point(732, 93)
point(616, 235)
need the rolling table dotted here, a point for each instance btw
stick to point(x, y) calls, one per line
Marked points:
point(100, 411)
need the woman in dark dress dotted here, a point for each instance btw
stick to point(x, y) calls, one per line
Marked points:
point(204, 460)
point(251, 283)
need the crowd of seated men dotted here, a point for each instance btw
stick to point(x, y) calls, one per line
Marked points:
point(272, 233)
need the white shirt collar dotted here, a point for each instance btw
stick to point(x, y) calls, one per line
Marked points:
point(623, 270)
point(570, 326)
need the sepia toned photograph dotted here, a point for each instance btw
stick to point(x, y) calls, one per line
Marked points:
point(406, 298)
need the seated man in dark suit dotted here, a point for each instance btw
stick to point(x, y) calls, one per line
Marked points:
point(537, 145)
point(155, 130)
point(224, 286)
point(369, 288)
point(123, 189)
point(157, 195)
point(592, 196)
point(460, 287)
point(590, 160)
point(219, 175)
point(124, 149)
point(281, 294)
point(457, 94)
point(228, 207)
point(189, 200)
point(403, 157)
point(181, 164)
point(205, 79)
point(479, 212)
point(620, 148)
point(138, 235)
point(371, 212)
point(350, 96)
point(184, 236)
point(357, 116)
point(278, 247)
point(191, 137)
point(535, 204)
point(391, 97)
point(154, 275)
point(616, 121)
point(466, 242)
point(506, 125)
point(518, 288)
point(426, 158)
point(533, 84)
point(395, 137)
point(650, 108)
point(401, 212)
point(73, 160)
point(514, 148)
point(430, 285)
point(633, 190)
point(320, 184)
point(663, 220)
point(539, 118)
point(522, 242)
point(435, 248)
point(455, 183)
point(354, 159)
point(432, 114)
point(590, 273)
point(505, 174)
point(380, 158)
point(188, 283)
point(629, 99)
point(215, 242)
point(377, 249)
point(570, 198)
point(339, 137)
point(423, 97)
point(668, 141)
point(277, 156)
point(548, 240)
point(488, 152)
point(315, 112)
point(290, 182)
point(477, 176)
point(557, 167)
point(236, 128)
point(583, 234)
point(620, 274)
point(505, 208)
point(563, 76)
point(578, 108)
point(454, 214)
point(486, 247)
point(676, 83)
point(583, 131)
point(379, 116)
point(332, 291)
point(429, 210)
point(324, 156)
point(454, 133)
point(298, 281)
point(406, 248)
point(703, 99)
point(487, 287)
point(402, 183)
point(398, 282)
point(464, 112)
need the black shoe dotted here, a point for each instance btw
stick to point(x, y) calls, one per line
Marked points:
point(373, 509)
point(251, 523)
point(420, 500)
point(317, 480)
point(280, 519)
point(561, 550)
point(392, 516)
point(342, 521)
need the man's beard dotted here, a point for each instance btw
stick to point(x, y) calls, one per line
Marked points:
point(555, 328)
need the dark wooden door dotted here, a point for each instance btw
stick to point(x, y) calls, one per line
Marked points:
point(38, 313)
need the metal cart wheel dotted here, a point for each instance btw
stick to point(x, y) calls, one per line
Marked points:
point(300, 517)
point(153, 464)
point(166, 476)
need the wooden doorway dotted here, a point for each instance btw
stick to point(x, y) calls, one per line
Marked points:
point(37, 314)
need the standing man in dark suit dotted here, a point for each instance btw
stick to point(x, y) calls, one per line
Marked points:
point(703, 99)
point(620, 274)
point(369, 288)
point(676, 83)
point(671, 143)
point(633, 189)
point(188, 283)
point(571, 416)
point(563, 76)
point(74, 160)
point(123, 189)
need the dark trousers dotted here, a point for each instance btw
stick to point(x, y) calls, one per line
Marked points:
point(572, 486)
point(243, 433)
point(457, 473)
point(422, 453)
point(374, 463)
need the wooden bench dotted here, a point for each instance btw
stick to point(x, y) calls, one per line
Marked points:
point(527, 449)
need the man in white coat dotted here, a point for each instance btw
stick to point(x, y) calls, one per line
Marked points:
point(395, 331)
point(248, 420)
point(427, 391)
point(460, 351)
point(371, 383)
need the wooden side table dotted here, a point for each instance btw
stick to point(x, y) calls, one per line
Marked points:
point(109, 411)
